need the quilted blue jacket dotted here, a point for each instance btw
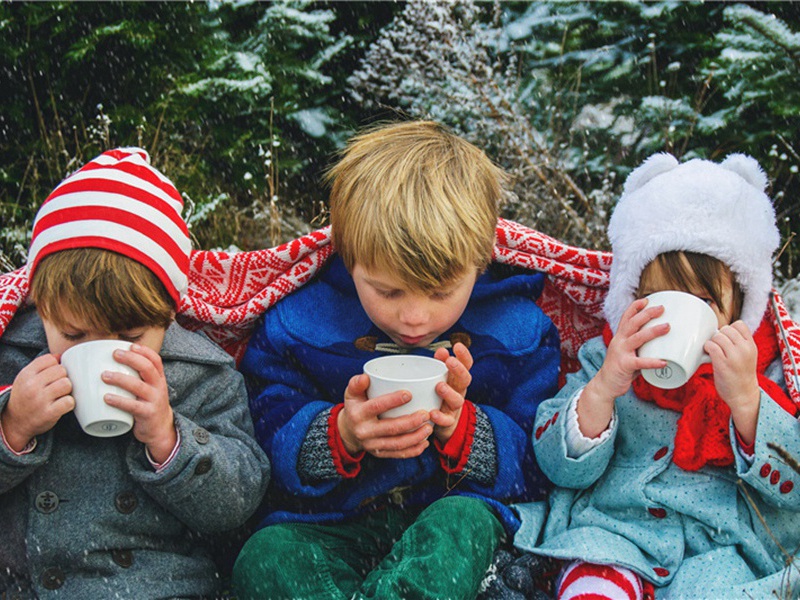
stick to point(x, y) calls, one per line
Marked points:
point(302, 355)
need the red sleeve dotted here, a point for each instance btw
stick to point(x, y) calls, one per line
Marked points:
point(748, 449)
point(347, 465)
point(454, 453)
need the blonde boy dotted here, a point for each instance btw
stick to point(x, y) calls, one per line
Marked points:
point(413, 506)
point(91, 517)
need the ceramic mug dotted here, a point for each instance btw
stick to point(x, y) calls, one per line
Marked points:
point(85, 364)
point(692, 323)
point(416, 374)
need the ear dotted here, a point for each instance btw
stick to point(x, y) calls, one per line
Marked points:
point(650, 168)
point(748, 168)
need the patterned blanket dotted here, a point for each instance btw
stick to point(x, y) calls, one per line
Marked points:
point(228, 291)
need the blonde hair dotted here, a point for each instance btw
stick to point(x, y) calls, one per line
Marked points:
point(417, 200)
point(104, 289)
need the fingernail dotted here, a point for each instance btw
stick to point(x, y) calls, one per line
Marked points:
point(106, 375)
point(135, 347)
point(406, 397)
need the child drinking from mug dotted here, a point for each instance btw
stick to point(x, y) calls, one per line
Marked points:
point(659, 489)
point(90, 517)
point(412, 506)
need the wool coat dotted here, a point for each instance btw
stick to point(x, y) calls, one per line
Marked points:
point(299, 362)
point(693, 534)
point(88, 517)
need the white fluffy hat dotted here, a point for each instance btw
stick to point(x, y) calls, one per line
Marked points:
point(700, 206)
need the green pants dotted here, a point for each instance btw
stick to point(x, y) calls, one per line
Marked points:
point(440, 553)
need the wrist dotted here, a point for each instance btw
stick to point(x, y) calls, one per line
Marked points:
point(350, 442)
point(15, 439)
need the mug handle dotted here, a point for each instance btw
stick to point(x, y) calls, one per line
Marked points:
point(706, 359)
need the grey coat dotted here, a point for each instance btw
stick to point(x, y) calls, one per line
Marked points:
point(87, 517)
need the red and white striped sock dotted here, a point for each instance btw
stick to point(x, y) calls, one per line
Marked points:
point(585, 581)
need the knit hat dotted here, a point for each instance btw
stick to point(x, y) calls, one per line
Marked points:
point(118, 202)
point(699, 206)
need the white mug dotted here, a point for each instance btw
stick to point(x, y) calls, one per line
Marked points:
point(85, 364)
point(416, 374)
point(692, 323)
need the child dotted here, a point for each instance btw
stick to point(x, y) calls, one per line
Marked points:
point(127, 516)
point(414, 506)
point(666, 489)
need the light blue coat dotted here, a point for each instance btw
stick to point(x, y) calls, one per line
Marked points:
point(693, 534)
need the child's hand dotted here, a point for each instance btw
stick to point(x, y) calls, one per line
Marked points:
point(360, 428)
point(734, 355)
point(153, 420)
point(40, 396)
point(452, 392)
point(620, 367)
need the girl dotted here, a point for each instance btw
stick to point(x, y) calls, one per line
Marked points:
point(674, 493)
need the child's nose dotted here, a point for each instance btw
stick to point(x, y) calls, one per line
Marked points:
point(413, 314)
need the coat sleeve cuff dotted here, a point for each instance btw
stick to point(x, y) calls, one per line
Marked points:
point(347, 465)
point(454, 453)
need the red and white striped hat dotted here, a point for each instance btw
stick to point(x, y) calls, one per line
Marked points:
point(118, 202)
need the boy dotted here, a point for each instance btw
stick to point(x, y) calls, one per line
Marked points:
point(87, 517)
point(413, 506)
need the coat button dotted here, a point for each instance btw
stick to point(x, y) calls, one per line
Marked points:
point(775, 477)
point(126, 502)
point(766, 468)
point(52, 578)
point(46, 502)
point(660, 453)
point(201, 435)
point(203, 466)
point(658, 513)
point(124, 558)
point(786, 487)
point(661, 572)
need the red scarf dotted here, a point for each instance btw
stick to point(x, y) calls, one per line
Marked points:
point(702, 436)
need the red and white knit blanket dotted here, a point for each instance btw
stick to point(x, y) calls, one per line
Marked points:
point(228, 292)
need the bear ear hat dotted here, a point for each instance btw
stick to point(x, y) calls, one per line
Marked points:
point(654, 166)
point(748, 169)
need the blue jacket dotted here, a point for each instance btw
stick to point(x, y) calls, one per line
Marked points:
point(302, 356)
point(693, 534)
point(87, 517)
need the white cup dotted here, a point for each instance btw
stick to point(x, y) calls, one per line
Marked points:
point(417, 374)
point(85, 364)
point(692, 323)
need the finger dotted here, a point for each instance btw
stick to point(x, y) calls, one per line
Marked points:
point(42, 363)
point(451, 399)
point(743, 329)
point(464, 355)
point(357, 387)
point(399, 425)
point(723, 340)
point(441, 354)
point(441, 419)
point(133, 406)
point(59, 387)
point(735, 334)
point(646, 334)
point(144, 361)
point(643, 317)
point(412, 452)
point(380, 404)
point(63, 405)
point(633, 309)
point(129, 383)
point(638, 364)
point(54, 374)
point(458, 375)
point(405, 440)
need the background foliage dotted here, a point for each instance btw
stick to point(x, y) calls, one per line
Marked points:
point(243, 104)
